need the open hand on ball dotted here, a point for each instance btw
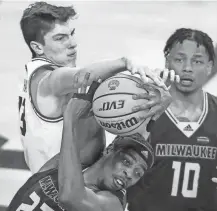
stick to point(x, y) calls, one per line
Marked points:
point(168, 76)
point(158, 101)
point(158, 77)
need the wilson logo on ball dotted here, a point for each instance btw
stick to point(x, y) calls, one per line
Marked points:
point(112, 105)
point(112, 85)
point(121, 125)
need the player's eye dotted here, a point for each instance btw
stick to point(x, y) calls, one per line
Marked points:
point(139, 173)
point(198, 62)
point(179, 60)
point(59, 38)
point(126, 162)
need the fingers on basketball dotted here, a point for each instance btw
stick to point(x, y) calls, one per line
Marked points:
point(154, 112)
point(142, 96)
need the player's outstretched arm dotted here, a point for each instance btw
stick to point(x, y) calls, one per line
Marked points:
point(59, 81)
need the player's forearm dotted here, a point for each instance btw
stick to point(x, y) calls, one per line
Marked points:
point(71, 182)
point(106, 68)
point(61, 80)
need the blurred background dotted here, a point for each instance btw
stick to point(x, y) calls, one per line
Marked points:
point(106, 29)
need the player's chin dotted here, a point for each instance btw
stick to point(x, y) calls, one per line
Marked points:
point(70, 62)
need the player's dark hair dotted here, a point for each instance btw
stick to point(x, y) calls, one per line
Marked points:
point(39, 18)
point(198, 36)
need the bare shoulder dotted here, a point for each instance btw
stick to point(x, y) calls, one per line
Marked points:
point(95, 201)
point(40, 75)
point(108, 201)
point(41, 93)
point(212, 98)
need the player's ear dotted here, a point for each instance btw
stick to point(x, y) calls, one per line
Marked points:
point(37, 47)
point(108, 149)
point(209, 67)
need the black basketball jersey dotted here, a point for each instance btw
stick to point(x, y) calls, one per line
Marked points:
point(40, 193)
point(180, 179)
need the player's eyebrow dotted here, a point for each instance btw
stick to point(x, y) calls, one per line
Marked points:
point(59, 34)
point(198, 55)
point(181, 53)
point(64, 34)
point(143, 166)
point(131, 155)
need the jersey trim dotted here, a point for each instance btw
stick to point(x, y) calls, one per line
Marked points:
point(42, 59)
point(37, 112)
point(189, 128)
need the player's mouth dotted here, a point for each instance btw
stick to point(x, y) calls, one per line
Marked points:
point(73, 54)
point(186, 81)
point(119, 182)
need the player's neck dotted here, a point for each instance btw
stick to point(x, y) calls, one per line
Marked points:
point(94, 174)
point(187, 107)
point(188, 100)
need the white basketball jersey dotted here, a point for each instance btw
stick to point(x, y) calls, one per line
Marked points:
point(41, 136)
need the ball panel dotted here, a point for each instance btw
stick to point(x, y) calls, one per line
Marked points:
point(121, 125)
point(118, 84)
point(114, 105)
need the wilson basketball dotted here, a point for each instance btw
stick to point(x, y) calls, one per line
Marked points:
point(113, 103)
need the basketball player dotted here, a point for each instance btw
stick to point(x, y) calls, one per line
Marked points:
point(101, 186)
point(49, 32)
point(185, 136)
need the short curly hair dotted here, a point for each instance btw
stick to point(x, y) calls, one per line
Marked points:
point(198, 36)
point(39, 18)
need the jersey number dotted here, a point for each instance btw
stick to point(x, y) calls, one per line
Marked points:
point(22, 115)
point(188, 168)
point(36, 200)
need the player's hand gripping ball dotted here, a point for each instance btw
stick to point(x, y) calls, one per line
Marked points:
point(113, 102)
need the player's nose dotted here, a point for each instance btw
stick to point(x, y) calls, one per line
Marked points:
point(188, 66)
point(72, 43)
point(128, 174)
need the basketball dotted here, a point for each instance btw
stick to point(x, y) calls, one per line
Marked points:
point(113, 103)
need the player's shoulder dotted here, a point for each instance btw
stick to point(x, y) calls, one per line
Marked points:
point(35, 178)
point(112, 200)
point(121, 196)
point(46, 67)
point(39, 181)
point(40, 64)
point(212, 101)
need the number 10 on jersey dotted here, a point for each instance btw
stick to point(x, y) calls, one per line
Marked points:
point(184, 184)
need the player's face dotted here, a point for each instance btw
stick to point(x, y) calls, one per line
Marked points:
point(123, 169)
point(60, 45)
point(191, 63)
